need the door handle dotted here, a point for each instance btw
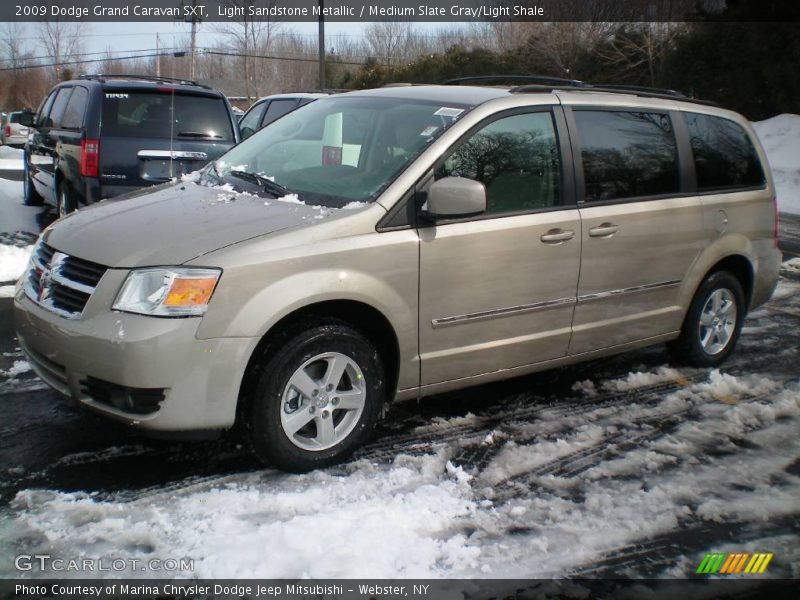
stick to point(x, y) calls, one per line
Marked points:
point(557, 236)
point(604, 230)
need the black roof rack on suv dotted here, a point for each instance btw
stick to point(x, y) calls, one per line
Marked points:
point(153, 78)
point(536, 79)
point(642, 91)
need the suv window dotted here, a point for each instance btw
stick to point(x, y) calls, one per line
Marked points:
point(43, 114)
point(73, 114)
point(59, 106)
point(724, 156)
point(516, 158)
point(162, 115)
point(627, 154)
point(278, 108)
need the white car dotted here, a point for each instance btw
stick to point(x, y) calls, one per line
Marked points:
point(15, 128)
point(271, 108)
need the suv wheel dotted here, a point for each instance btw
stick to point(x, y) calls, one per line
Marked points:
point(713, 323)
point(316, 398)
point(30, 196)
point(66, 200)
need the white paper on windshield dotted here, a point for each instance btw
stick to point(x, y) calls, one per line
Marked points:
point(448, 111)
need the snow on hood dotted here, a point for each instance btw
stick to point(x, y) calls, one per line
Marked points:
point(173, 224)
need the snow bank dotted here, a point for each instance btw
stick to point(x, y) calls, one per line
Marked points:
point(780, 137)
point(10, 158)
point(13, 261)
point(399, 520)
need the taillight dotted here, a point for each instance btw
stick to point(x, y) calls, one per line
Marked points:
point(8, 131)
point(776, 222)
point(90, 158)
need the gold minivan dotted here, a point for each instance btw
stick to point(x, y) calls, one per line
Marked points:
point(400, 242)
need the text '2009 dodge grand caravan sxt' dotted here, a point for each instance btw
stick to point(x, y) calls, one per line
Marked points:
point(399, 242)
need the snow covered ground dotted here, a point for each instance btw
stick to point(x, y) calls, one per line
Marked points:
point(10, 158)
point(780, 137)
point(638, 473)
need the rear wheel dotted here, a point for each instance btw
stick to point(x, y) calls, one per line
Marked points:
point(713, 323)
point(66, 200)
point(30, 196)
point(316, 398)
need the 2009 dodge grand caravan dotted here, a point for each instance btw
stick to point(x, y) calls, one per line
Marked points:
point(398, 242)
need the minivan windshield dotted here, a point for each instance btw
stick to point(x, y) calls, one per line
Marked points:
point(334, 151)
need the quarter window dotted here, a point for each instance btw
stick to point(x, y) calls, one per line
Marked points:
point(627, 154)
point(516, 158)
point(724, 156)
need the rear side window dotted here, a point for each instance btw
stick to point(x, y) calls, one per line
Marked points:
point(59, 106)
point(278, 108)
point(516, 158)
point(73, 114)
point(627, 154)
point(724, 155)
point(164, 115)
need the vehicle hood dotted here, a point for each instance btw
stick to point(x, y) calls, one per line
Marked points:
point(172, 225)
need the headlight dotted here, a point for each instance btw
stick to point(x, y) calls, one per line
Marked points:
point(167, 292)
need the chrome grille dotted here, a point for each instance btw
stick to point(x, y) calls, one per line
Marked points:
point(61, 283)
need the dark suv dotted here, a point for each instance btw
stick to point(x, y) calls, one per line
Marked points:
point(99, 136)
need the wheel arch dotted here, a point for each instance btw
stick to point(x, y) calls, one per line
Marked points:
point(360, 315)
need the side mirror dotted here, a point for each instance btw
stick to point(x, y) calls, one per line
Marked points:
point(26, 119)
point(453, 197)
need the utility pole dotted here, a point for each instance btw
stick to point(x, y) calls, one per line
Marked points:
point(158, 58)
point(321, 4)
point(194, 19)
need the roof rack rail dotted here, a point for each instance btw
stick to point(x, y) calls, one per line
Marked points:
point(533, 79)
point(640, 88)
point(104, 76)
point(643, 92)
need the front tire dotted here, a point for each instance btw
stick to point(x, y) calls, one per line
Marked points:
point(316, 398)
point(713, 322)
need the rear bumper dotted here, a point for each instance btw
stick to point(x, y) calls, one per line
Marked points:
point(193, 384)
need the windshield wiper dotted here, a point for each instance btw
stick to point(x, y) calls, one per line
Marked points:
point(199, 134)
point(267, 184)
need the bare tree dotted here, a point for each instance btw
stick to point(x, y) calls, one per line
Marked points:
point(392, 43)
point(62, 43)
point(251, 37)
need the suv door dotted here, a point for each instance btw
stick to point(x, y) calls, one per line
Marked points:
point(498, 291)
point(642, 229)
point(43, 154)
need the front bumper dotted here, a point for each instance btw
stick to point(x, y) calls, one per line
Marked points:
point(200, 379)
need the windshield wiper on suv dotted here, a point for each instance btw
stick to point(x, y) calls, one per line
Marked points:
point(199, 134)
point(269, 186)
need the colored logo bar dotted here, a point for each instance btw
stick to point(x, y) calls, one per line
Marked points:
point(734, 562)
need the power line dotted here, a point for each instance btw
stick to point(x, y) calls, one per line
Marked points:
point(80, 54)
point(176, 54)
